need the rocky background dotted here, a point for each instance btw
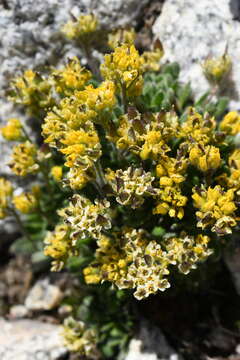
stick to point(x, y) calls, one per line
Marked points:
point(30, 37)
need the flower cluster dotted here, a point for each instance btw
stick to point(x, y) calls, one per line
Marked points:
point(25, 202)
point(12, 131)
point(216, 69)
point(216, 208)
point(24, 159)
point(231, 123)
point(81, 28)
point(80, 339)
point(131, 169)
point(59, 246)
point(32, 90)
point(133, 260)
point(6, 191)
point(121, 36)
point(85, 218)
point(124, 67)
point(70, 78)
point(131, 186)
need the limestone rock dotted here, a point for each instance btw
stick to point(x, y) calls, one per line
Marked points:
point(43, 296)
point(18, 312)
point(30, 340)
point(30, 30)
point(192, 30)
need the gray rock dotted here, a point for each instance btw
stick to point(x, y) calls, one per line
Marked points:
point(192, 30)
point(30, 30)
point(43, 296)
point(18, 312)
point(30, 340)
point(150, 344)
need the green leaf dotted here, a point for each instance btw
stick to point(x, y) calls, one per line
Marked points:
point(157, 100)
point(158, 231)
point(221, 106)
point(184, 94)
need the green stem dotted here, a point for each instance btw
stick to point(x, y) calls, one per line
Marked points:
point(124, 98)
point(26, 135)
point(20, 224)
point(46, 178)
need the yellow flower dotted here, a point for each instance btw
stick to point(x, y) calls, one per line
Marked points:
point(153, 146)
point(124, 67)
point(33, 91)
point(25, 202)
point(81, 148)
point(231, 123)
point(70, 78)
point(81, 28)
point(77, 178)
point(152, 60)
point(197, 127)
point(80, 339)
point(132, 186)
point(13, 130)
point(6, 191)
point(24, 159)
point(205, 158)
point(57, 172)
point(59, 246)
point(216, 69)
point(216, 209)
point(86, 218)
point(170, 201)
point(171, 170)
point(121, 36)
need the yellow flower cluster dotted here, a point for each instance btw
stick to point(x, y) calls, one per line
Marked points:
point(24, 159)
point(79, 339)
point(121, 36)
point(57, 172)
point(81, 28)
point(59, 246)
point(216, 69)
point(146, 135)
point(25, 202)
point(231, 123)
point(131, 186)
point(132, 260)
point(231, 181)
point(33, 91)
point(70, 78)
point(216, 209)
point(124, 67)
point(205, 158)
point(6, 191)
point(13, 130)
point(152, 60)
point(198, 129)
point(70, 128)
point(86, 219)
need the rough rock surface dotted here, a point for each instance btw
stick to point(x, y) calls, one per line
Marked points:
point(192, 30)
point(150, 344)
point(43, 296)
point(30, 29)
point(30, 340)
